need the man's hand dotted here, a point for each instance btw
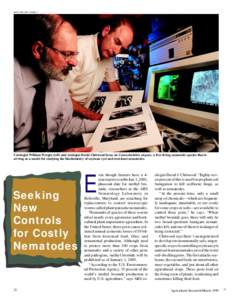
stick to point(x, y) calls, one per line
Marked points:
point(81, 149)
point(85, 112)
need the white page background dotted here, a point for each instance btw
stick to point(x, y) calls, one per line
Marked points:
point(65, 282)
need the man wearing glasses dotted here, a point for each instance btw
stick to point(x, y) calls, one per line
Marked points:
point(43, 108)
point(95, 63)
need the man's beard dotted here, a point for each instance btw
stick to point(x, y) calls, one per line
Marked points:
point(48, 69)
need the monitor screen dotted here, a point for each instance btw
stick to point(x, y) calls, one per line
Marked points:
point(204, 88)
point(168, 87)
point(195, 88)
point(186, 90)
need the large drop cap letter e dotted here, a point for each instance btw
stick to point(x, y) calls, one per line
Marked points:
point(88, 183)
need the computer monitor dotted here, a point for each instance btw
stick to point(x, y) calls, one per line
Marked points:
point(186, 90)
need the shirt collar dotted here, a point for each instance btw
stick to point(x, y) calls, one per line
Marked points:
point(29, 77)
point(96, 50)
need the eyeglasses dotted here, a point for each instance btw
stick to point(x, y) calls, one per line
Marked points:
point(65, 54)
